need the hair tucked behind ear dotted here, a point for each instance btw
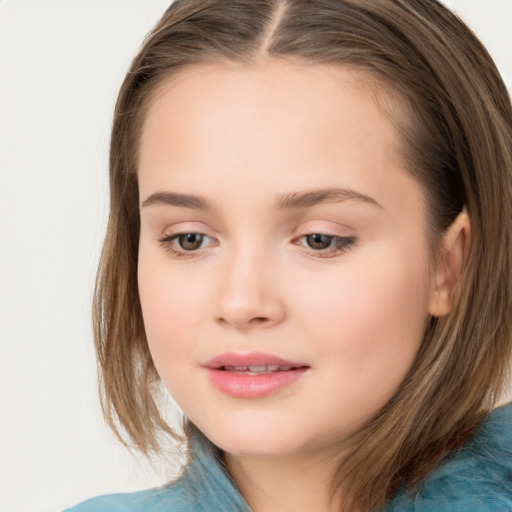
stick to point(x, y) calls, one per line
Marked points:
point(457, 142)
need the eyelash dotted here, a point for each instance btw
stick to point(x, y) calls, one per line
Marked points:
point(167, 243)
point(340, 244)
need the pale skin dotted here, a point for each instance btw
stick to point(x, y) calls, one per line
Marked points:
point(255, 162)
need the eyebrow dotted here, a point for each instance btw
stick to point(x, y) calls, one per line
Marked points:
point(311, 198)
point(291, 201)
point(174, 199)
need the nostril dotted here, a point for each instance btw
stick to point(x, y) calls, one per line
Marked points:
point(259, 320)
point(252, 322)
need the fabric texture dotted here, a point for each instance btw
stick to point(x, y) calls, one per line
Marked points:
point(475, 478)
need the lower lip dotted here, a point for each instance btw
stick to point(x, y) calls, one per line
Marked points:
point(241, 385)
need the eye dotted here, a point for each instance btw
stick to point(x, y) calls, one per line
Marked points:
point(190, 241)
point(185, 244)
point(324, 246)
point(319, 241)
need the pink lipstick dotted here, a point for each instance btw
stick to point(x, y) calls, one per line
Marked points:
point(252, 375)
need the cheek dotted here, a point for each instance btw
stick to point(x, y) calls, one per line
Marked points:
point(171, 308)
point(170, 311)
point(160, 300)
point(370, 315)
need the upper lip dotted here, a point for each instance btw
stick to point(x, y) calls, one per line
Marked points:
point(249, 359)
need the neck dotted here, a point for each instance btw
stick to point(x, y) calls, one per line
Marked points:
point(297, 483)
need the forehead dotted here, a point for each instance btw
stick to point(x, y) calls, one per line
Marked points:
point(286, 125)
point(283, 96)
point(275, 84)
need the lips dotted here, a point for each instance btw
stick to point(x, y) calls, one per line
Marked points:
point(233, 359)
point(258, 369)
point(252, 375)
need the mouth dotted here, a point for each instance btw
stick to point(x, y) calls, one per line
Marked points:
point(252, 375)
point(252, 362)
point(262, 369)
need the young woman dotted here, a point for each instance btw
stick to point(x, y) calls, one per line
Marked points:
point(309, 246)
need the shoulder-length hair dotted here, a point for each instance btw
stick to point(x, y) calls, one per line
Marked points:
point(457, 142)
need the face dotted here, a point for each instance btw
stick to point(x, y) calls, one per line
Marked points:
point(283, 262)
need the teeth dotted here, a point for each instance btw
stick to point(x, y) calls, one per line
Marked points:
point(255, 369)
point(260, 368)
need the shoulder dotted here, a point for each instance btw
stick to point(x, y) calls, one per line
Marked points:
point(477, 477)
point(205, 485)
point(170, 498)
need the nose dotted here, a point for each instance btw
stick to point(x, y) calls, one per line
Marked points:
point(249, 293)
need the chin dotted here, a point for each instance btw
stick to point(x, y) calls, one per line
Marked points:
point(254, 440)
point(258, 441)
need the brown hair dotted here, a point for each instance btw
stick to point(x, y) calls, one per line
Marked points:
point(457, 142)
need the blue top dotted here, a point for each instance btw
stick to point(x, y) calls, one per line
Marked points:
point(475, 478)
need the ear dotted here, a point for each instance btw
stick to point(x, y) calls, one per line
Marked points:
point(454, 250)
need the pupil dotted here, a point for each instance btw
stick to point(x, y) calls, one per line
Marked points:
point(190, 241)
point(318, 241)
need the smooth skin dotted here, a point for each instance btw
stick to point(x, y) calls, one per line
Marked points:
point(254, 164)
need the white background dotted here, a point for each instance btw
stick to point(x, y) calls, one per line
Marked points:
point(61, 64)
